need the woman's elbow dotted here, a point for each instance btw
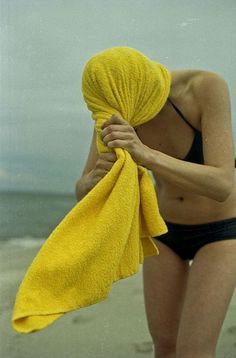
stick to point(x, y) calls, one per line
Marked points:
point(226, 189)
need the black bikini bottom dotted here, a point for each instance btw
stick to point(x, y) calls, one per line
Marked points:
point(186, 240)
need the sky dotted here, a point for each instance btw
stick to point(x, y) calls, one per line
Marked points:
point(45, 126)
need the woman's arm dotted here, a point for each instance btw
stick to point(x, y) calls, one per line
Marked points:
point(215, 179)
point(82, 187)
point(198, 179)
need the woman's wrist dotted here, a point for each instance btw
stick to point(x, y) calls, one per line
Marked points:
point(150, 158)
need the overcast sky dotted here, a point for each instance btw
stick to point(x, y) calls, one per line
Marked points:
point(45, 127)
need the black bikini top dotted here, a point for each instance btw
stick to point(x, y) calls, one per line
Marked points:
point(195, 154)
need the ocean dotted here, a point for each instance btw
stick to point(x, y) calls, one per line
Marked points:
point(32, 215)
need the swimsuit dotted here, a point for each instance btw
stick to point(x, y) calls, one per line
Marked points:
point(195, 154)
point(186, 240)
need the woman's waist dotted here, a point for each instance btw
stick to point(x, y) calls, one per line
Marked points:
point(184, 208)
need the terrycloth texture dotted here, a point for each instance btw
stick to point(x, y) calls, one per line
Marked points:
point(108, 233)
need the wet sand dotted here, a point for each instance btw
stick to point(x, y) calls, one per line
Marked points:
point(115, 327)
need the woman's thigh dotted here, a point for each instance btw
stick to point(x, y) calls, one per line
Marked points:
point(211, 284)
point(164, 282)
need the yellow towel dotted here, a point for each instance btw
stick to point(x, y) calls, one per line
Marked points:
point(108, 233)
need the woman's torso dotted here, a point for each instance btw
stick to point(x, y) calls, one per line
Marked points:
point(174, 137)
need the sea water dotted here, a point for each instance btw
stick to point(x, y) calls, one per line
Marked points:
point(32, 215)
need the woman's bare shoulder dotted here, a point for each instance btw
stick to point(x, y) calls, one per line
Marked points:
point(194, 77)
point(205, 79)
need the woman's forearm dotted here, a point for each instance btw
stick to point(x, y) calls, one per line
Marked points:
point(81, 188)
point(199, 179)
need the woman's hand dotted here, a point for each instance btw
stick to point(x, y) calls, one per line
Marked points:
point(102, 167)
point(116, 132)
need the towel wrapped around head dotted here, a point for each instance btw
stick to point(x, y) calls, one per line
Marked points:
point(106, 236)
point(123, 81)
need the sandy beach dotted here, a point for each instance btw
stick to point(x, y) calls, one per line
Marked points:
point(115, 327)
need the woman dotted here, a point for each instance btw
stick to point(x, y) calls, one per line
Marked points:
point(188, 147)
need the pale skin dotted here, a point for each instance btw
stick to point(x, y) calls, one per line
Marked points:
point(185, 304)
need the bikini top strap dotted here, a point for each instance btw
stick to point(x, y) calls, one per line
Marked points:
point(181, 114)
